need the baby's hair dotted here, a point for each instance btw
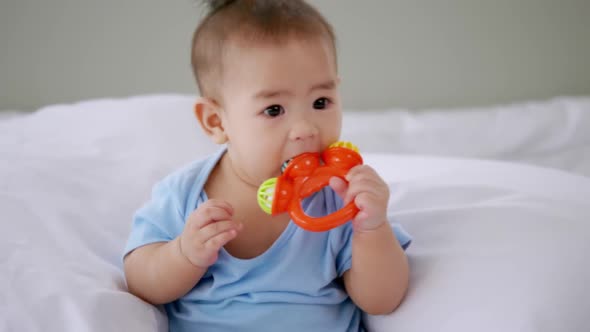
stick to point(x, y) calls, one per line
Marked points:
point(250, 21)
point(217, 4)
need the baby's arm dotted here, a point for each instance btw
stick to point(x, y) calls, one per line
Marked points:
point(158, 273)
point(163, 272)
point(378, 278)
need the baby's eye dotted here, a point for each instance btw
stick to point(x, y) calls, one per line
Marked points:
point(274, 111)
point(321, 103)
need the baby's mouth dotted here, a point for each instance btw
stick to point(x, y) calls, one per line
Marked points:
point(285, 163)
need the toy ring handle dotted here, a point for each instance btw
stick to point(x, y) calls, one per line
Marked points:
point(320, 224)
point(324, 223)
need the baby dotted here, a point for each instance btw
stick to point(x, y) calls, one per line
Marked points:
point(202, 246)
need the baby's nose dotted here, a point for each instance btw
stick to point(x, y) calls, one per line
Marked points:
point(302, 130)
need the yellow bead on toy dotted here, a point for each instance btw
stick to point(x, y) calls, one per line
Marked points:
point(266, 193)
point(344, 144)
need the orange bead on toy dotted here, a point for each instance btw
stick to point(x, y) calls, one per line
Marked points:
point(305, 175)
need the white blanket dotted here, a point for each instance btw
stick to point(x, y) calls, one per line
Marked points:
point(497, 246)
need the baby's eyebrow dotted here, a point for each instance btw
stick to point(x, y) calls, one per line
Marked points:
point(328, 85)
point(267, 94)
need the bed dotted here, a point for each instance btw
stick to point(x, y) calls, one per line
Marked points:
point(497, 199)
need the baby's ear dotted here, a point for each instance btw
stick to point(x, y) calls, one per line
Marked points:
point(208, 112)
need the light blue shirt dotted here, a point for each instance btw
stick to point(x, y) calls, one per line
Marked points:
point(293, 286)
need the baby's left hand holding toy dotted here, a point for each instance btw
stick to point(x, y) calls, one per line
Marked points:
point(370, 194)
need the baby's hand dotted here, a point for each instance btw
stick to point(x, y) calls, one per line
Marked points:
point(370, 194)
point(207, 229)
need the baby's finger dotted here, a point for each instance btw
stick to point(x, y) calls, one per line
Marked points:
point(221, 204)
point(213, 229)
point(361, 170)
point(215, 243)
point(339, 186)
point(366, 201)
point(367, 186)
point(366, 176)
point(206, 214)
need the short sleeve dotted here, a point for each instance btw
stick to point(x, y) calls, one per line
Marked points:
point(344, 256)
point(159, 220)
point(401, 235)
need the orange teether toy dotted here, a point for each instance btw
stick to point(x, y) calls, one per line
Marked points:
point(305, 175)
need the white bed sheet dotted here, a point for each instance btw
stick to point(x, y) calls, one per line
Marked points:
point(498, 246)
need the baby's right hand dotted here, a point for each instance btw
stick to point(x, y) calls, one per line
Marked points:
point(207, 229)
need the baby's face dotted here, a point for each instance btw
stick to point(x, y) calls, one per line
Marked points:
point(278, 101)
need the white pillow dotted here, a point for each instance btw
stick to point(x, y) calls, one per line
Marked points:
point(553, 133)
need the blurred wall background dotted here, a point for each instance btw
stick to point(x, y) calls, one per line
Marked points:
point(393, 53)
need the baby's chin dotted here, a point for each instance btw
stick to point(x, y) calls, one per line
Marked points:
point(271, 173)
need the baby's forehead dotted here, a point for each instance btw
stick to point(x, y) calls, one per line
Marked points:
point(239, 52)
point(267, 58)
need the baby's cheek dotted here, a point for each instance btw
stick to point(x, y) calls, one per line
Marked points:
point(331, 135)
point(265, 170)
